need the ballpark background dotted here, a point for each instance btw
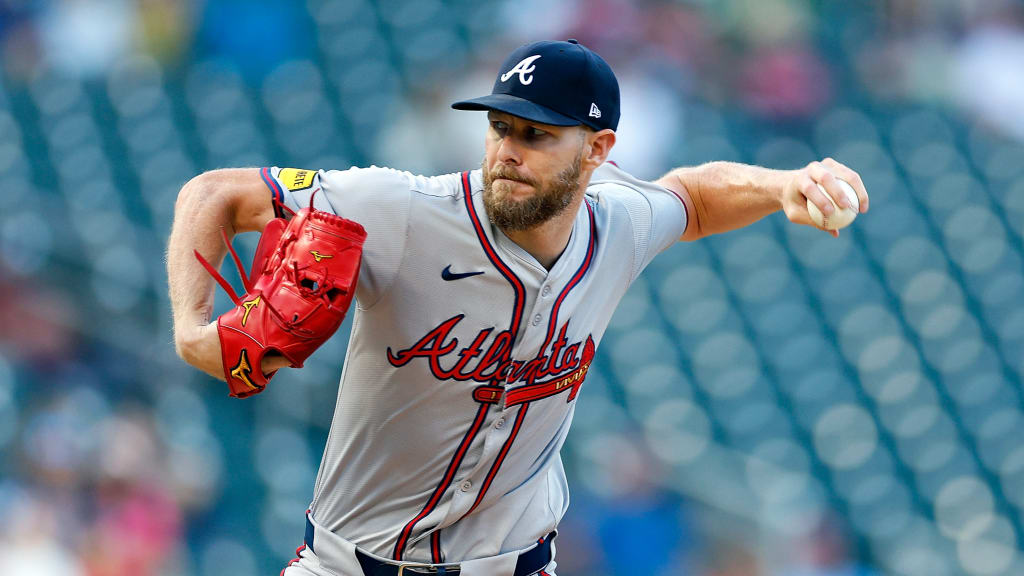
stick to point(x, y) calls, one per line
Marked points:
point(771, 402)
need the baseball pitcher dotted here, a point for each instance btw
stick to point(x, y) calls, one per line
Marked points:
point(480, 301)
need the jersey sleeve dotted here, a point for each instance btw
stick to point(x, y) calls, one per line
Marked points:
point(377, 198)
point(657, 214)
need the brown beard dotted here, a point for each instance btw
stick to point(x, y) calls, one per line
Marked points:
point(548, 202)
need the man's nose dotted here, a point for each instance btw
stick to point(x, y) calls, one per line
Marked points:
point(508, 151)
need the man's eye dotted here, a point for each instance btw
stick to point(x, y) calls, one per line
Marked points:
point(499, 126)
point(536, 133)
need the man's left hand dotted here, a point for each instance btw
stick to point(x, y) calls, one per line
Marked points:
point(803, 187)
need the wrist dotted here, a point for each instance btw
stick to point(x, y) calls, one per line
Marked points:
point(184, 340)
point(778, 183)
point(187, 343)
point(199, 346)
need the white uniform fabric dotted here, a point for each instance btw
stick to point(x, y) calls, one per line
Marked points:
point(457, 394)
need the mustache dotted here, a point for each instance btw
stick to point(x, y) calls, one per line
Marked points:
point(501, 171)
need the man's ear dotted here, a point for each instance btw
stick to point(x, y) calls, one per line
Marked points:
point(599, 145)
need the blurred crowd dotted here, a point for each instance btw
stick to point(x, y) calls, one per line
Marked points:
point(117, 459)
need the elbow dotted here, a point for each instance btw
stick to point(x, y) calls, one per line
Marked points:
point(688, 192)
point(692, 232)
point(695, 228)
point(208, 195)
point(201, 187)
point(238, 196)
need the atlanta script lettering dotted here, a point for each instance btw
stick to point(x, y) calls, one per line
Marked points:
point(491, 364)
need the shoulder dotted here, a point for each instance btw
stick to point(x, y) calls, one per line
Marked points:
point(373, 177)
point(612, 184)
point(383, 180)
point(655, 212)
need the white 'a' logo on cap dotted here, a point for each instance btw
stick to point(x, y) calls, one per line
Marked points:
point(525, 70)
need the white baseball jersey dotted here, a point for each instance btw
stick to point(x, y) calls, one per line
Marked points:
point(466, 356)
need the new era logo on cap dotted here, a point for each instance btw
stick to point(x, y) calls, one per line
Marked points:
point(557, 83)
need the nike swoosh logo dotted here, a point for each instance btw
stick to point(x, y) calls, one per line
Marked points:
point(447, 274)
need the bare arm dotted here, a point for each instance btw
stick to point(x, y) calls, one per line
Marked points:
point(238, 201)
point(723, 196)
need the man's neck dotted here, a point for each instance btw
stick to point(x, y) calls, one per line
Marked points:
point(547, 241)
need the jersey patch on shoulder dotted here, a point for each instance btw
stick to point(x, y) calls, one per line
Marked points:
point(296, 179)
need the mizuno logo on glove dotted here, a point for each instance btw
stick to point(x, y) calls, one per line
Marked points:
point(243, 370)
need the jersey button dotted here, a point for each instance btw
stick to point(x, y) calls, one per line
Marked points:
point(537, 319)
point(467, 486)
point(500, 422)
point(546, 291)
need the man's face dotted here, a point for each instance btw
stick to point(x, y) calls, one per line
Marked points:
point(531, 170)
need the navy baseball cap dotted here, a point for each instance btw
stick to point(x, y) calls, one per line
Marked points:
point(558, 83)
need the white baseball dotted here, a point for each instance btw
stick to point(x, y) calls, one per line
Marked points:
point(841, 217)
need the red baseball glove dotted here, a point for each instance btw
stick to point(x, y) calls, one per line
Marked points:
point(303, 279)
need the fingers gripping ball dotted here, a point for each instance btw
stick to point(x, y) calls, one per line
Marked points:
point(303, 279)
point(840, 217)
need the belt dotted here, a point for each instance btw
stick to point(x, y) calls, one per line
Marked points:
point(529, 562)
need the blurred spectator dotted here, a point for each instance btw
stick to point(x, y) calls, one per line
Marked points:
point(730, 559)
point(427, 137)
point(164, 28)
point(824, 552)
point(684, 39)
point(785, 82)
point(255, 37)
point(987, 78)
point(19, 41)
point(622, 509)
point(578, 546)
point(101, 491)
point(86, 37)
point(36, 326)
point(547, 19)
point(643, 533)
point(137, 524)
point(782, 74)
point(641, 527)
point(29, 539)
point(651, 124)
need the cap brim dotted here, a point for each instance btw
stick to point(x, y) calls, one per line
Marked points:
point(517, 106)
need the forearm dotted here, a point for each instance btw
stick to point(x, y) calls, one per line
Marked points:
point(727, 195)
point(199, 214)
